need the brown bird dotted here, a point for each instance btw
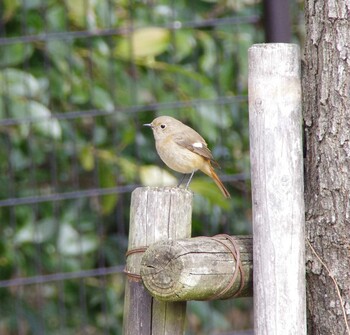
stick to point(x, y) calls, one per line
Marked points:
point(182, 149)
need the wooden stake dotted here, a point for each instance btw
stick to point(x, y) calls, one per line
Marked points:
point(156, 214)
point(277, 189)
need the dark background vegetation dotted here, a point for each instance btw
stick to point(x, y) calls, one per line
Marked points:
point(77, 81)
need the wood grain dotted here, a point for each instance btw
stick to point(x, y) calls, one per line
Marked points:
point(156, 214)
point(197, 269)
point(275, 127)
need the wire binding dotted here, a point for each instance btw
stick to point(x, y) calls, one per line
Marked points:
point(138, 250)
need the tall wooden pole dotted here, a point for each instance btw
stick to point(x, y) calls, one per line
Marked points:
point(156, 214)
point(277, 188)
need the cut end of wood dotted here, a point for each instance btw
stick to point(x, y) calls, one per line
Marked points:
point(197, 269)
point(166, 190)
point(163, 269)
point(264, 57)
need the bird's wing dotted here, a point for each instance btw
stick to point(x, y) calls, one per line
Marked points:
point(193, 142)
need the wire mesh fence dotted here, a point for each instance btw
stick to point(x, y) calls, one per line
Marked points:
point(77, 81)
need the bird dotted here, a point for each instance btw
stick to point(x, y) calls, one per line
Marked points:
point(183, 150)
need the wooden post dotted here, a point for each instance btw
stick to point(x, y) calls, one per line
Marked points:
point(156, 214)
point(277, 189)
point(200, 268)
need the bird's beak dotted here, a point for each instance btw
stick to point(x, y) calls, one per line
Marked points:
point(148, 125)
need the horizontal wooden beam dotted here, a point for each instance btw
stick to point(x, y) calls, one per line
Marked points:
point(200, 268)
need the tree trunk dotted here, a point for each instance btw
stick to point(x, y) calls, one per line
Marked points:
point(326, 93)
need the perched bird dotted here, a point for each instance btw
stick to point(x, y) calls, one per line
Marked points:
point(182, 149)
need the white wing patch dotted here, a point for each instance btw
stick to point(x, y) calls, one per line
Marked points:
point(197, 145)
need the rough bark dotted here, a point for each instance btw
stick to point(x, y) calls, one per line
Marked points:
point(326, 92)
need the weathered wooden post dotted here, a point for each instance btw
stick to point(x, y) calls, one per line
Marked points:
point(277, 188)
point(156, 214)
point(200, 268)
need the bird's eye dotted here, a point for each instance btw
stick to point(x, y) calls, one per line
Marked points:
point(162, 126)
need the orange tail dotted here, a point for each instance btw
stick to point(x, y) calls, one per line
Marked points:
point(209, 170)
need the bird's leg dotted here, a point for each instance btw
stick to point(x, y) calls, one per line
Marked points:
point(181, 180)
point(189, 180)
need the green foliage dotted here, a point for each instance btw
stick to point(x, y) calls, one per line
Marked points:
point(71, 102)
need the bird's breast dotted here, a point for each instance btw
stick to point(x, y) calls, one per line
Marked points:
point(179, 158)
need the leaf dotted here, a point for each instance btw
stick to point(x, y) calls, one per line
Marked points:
point(208, 60)
point(49, 126)
point(103, 12)
point(107, 179)
point(44, 123)
point(144, 43)
point(209, 190)
point(9, 9)
point(211, 114)
point(15, 82)
point(108, 203)
point(213, 120)
point(15, 54)
point(36, 232)
point(33, 4)
point(152, 175)
point(178, 69)
point(129, 168)
point(71, 243)
point(101, 135)
point(102, 99)
point(58, 48)
point(79, 11)
point(209, 317)
point(185, 43)
point(86, 157)
point(56, 19)
point(19, 160)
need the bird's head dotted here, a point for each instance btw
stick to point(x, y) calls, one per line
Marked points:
point(163, 126)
